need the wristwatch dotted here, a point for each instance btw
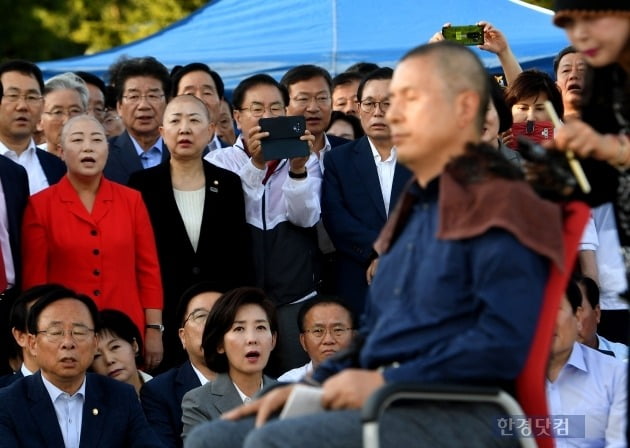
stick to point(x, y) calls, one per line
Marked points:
point(156, 327)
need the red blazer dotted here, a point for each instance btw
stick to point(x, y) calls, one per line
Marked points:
point(109, 255)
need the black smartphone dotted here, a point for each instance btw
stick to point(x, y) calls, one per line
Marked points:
point(465, 35)
point(284, 137)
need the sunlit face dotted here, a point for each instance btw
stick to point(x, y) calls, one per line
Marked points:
point(566, 331)
point(420, 115)
point(249, 341)
point(373, 122)
point(201, 85)
point(600, 39)
point(59, 106)
point(191, 333)
point(96, 103)
point(331, 318)
point(18, 120)
point(64, 362)
point(345, 98)
point(225, 124)
point(186, 129)
point(490, 133)
point(143, 117)
point(84, 147)
point(530, 109)
point(341, 128)
point(570, 79)
point(312, 99)
point(588, 319)
point(264, 95)
point(116, 358)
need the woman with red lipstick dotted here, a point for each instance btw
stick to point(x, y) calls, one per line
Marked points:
point(198, 214)
point(94, 235)
point(119, 352)
point(238, 338)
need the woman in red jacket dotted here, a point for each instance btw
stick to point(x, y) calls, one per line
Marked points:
point(94, 236)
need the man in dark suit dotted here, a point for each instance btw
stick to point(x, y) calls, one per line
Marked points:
point(362, 182)
point(97, 411)
point(162, 396)
point(21, 108)
point(199, 80)
point(142, 88)
point(14, 189)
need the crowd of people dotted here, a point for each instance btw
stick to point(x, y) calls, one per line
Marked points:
point(145, 237)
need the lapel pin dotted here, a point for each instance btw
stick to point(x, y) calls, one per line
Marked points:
point(216, 182)
point(94, 411)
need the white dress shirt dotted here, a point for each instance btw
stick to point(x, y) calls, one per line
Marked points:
point(28, 159)
point(69, 410)
point(296, 374)
point(385, 170)
point(202, 379)
point(593, 385)
point(619, 350)
point(322, 152)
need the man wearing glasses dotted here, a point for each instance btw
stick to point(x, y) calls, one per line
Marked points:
point(281, 207)
point(162, 396)
point(141, 87)
point(326, 326)
point(20, 111)
point(61, 405)
point(362, 183)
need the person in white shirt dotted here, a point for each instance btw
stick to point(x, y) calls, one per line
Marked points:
point(326, 326)
point(21, 108)
point(584, 384)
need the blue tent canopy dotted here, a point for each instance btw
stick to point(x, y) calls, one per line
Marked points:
point(238, 38)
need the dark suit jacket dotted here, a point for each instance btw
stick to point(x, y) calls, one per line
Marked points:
point(112, 416)
point(336, 141)
point(53, 166)
point(123, 160)
point(223, 253)
point(15, 186)
point(10, 378)
point(209, 401)
point(162, 402)
point(353, 212)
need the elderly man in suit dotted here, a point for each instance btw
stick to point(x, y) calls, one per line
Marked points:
point(62, 405)
point(21, 108)
point(142, 86)
point(362, 183)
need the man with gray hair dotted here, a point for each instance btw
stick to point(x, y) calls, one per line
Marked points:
point(65, 96)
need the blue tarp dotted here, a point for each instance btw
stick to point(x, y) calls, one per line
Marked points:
point(238, 38)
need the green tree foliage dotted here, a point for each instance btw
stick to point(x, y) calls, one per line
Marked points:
point(49, 29)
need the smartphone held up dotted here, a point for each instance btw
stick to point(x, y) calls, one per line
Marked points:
point(284, 141)
point(465, 35)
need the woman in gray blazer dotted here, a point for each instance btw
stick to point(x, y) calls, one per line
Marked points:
point(238, 338)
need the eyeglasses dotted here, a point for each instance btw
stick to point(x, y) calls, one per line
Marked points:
point(305, 100)
point(79, 333)
point(368, 106)
point(336, 332)
point(97, 110)
point(30, 98)
point(258, 109)
point(199, 317)
point(134, 98)
point(58, 114)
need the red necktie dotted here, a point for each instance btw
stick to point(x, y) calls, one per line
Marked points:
point(3, 274)
point(271, 167)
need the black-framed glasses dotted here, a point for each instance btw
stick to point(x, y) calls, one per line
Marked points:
point(134, 98)
point(368, 106)
point(79, 333)
point(336, 332)
point(198, 316)
point(258, 109)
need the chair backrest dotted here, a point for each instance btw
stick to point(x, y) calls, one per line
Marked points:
point(530, 384)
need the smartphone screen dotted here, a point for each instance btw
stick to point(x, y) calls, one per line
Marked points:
point(284, 137)
point(537, 131)
point(465, 35)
